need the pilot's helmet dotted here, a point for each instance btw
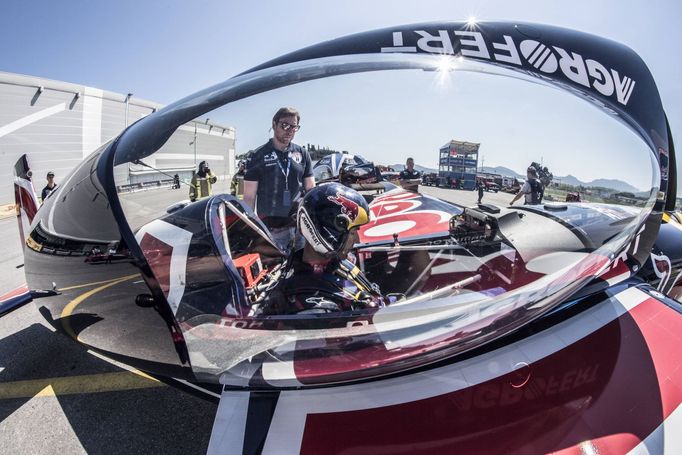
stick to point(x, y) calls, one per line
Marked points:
point(328, 214)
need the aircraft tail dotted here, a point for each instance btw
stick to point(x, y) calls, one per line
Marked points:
point(24, 196)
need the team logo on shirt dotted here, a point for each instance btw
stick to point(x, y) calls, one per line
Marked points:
point(271, 157)
point(296, 156)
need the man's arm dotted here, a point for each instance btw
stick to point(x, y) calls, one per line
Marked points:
point(250, 190)
point(252, 176)
point(309, 177)
point(309, 183)
point(525, 189)
point(516, 198)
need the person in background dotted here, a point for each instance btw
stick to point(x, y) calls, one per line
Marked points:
point(480, 186)
point(49, 188)
point(409, 177)
point(277, 173)
point(202, 181)
point(238, 176)
point(532, 189)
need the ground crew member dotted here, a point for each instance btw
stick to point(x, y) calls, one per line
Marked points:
point(202, 181)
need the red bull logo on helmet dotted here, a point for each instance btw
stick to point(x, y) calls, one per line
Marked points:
point(348, 207)
point(356, 214)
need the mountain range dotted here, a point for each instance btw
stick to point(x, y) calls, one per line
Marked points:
point(427, 170)
point(614, 184)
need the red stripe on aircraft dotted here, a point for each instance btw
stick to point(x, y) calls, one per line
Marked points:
point(23, 289)
point(609, 390)
point(158, 255)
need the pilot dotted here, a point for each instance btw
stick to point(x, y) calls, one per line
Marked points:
point(322, 277)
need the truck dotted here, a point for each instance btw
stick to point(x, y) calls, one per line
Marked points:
point(510, 184)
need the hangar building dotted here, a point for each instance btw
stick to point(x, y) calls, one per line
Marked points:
point(57, 124)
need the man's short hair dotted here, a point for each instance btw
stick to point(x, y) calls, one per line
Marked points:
point(286, 112)
point(531, 170)
point(50, 174)
point(410, 159)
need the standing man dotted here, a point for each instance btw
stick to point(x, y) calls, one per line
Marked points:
point(277, 173)
point(532, 189)
point(479, 187)
point(202, 182)
point(49, 188)
point(409, 177)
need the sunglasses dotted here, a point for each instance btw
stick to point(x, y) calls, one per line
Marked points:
point(286, 126)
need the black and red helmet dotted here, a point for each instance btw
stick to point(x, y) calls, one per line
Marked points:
point(328, 213)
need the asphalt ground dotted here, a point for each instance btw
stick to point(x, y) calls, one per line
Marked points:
point(56, 397)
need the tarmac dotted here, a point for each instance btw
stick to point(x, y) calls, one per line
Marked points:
point(6, 211)
point(57, 397)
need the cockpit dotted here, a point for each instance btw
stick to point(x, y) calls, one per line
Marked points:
point(448, 272)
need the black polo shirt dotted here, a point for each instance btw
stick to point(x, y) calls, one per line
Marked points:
point(406, 174)
point(47, 191)
point(268, 166)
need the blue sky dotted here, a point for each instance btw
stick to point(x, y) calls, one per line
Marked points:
point(164, 50)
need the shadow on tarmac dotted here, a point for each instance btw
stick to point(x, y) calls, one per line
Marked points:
point(157, 419)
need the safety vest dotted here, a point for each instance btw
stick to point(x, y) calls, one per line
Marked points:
point(201, 186)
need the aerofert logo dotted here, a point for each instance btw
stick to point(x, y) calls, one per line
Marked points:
point(545, 58)
point(308, 230)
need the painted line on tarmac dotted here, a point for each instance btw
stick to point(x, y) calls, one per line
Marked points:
point(68, 288)
point(71, 385)
point(68, 309)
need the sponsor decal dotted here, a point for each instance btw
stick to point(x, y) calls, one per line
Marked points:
point(271, 157)
point(496, 394)
point(296, 156)
point(407, 214)
point(309, 232)
point(240, 323)
point(318, 301)
point(348, 207)
point(543, 57)
point(664, 270)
